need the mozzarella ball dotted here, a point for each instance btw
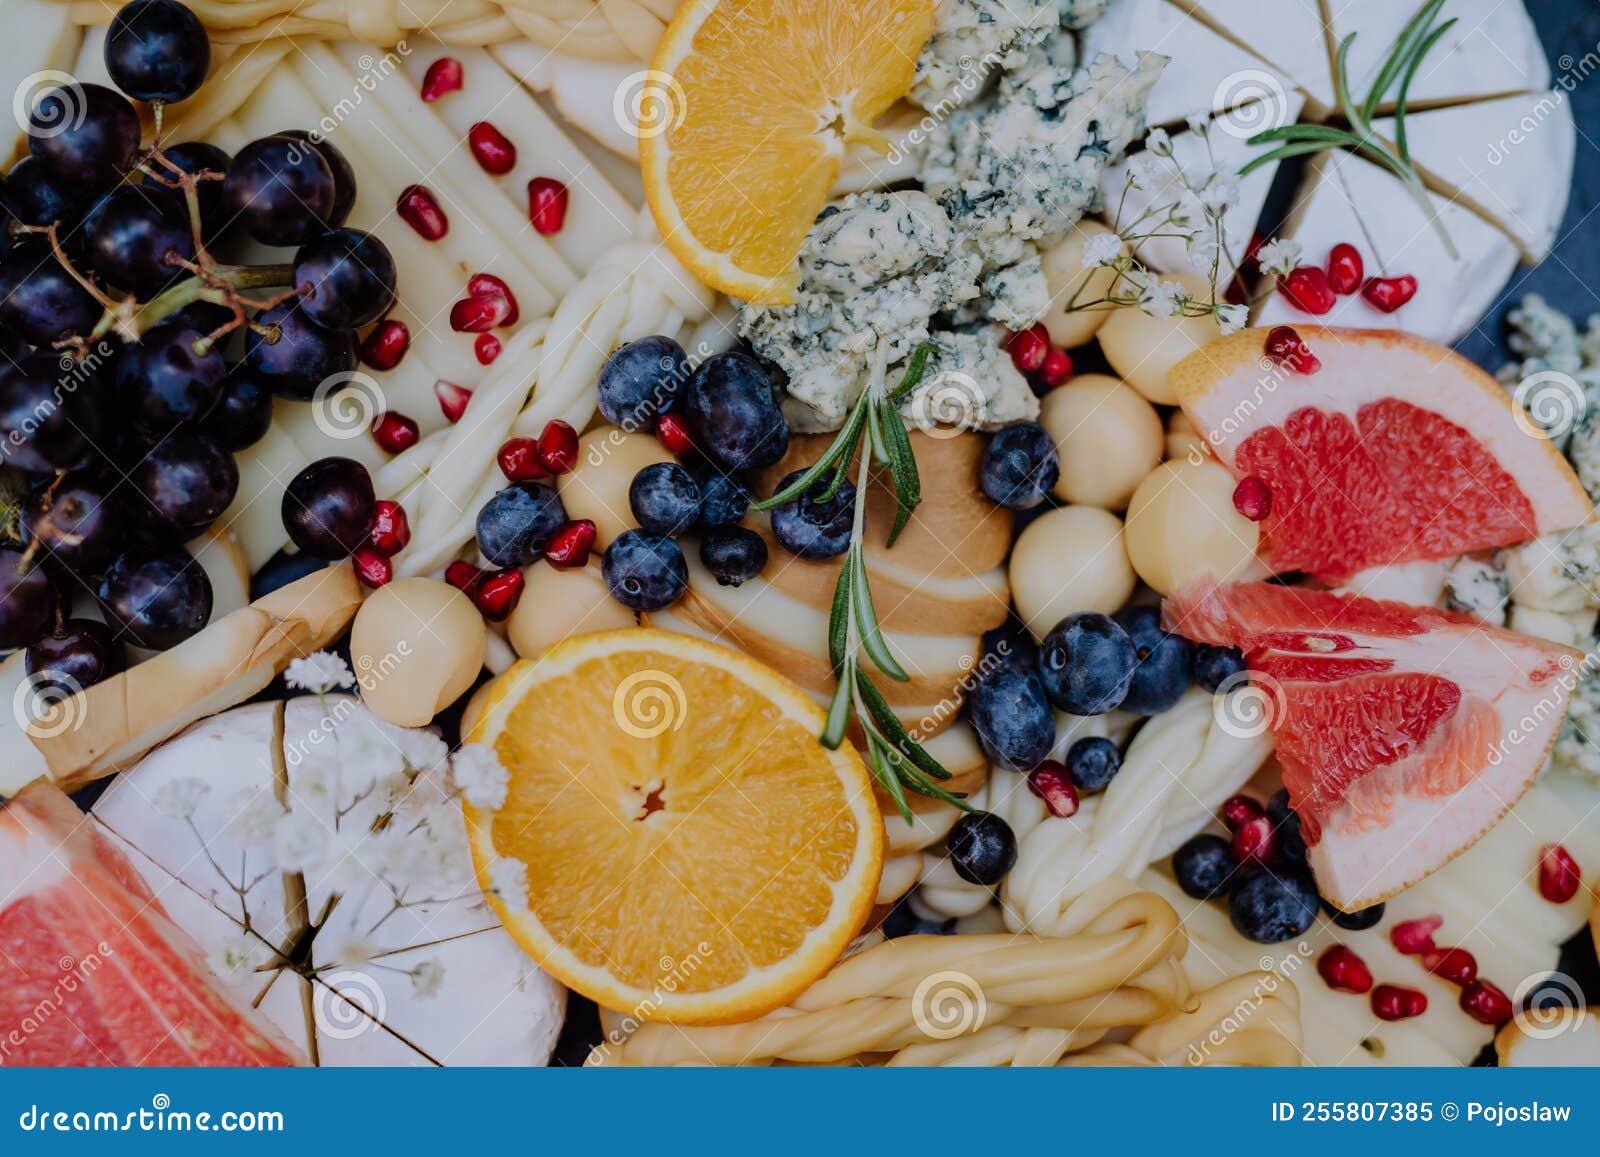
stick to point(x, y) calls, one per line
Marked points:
point(1070, 281)
point(1107, 436)
point(597, 488)
point(1182, 526)
point(558, 604)
point(417, 645)
point(1183, 440)
point(1142, 348)
point(1071, 559)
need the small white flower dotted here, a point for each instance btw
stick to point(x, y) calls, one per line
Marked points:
point(1231, 318)
point(353, 951)
point(1203, 248)
point(178, 798)
point(1199, 122)
point(1101, 249)
point(237, 957)
point(426, 979)
point(369, 750)
point(253, 816)
point(1144, 170)
point(1158, 142)
point(300, 843)
point(508, 880)
point(319, 673)
point(1219, 195)
point(481, 776)
point(1278, 256)
point(1164, 299)
point(422, 750)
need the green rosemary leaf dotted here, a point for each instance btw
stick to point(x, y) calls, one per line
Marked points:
point(895, 731)
point(838, 712)
point(1341, 79)
point(915, 368)
point(842, 448)
point(1280, 154)
point(1405, 89)
point(1402, 54)
point(881, 758)
point(839, 620)
point(880, 452)
point(867, 619)
point(902, 471)
point(1327, 133)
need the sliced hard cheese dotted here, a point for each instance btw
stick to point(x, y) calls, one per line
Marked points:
point(1504, 159)
point(1559, 1038)
point(43, 40)
point(1288, 34)
point(256, 516)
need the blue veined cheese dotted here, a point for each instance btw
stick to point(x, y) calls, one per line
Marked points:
point(1577, 746)
point(973, 40)
point(873, 237)
point(969, 383)
point(1560, 365)
point(1557, 572)
point(1015, 296)
point(1077, 14)
point(1478, 586)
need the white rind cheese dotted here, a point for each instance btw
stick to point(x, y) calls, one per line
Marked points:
point(1287, 34)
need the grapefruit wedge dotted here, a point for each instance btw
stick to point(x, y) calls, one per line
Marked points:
point(1404, 733)
point(1395, 449)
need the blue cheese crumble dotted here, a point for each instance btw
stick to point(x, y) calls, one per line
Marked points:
point(1479, 587)
point(974, 39)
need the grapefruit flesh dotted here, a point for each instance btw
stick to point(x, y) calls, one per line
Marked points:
point(1395, 450)
point(1404, 733)
point(92, 972)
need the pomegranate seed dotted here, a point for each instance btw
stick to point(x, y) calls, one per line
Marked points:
point(372, 568)
point(1238, 810)
point(519, 460)
point(1559, 875)
point(1414, 937)
point(497, 593)
point(396, 433)
point(1050, 782)
point(1308, 290)
point(391, 529)
point(1344, 971)
point(558, 447)
point(1286, 347)
point(453, 399)
point(1454, 965)
point(673, 432)
point(1029, 348)
point(489, 303)
point(443, 75)
point(570, 545)
point(1253, 498)
point(1255, 840)
point(463, 576)
point(1346, 270)
point(494, 152)
point(1056, 370)
point(488, 285)
point(1392, 1002)
point(386, 344)
point(1389, 293)
point(547, 204)
point(486, 348)
point(419, 209)
point(1485, 1003)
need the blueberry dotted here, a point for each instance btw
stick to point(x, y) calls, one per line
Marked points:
point(1357, 921)
point(664, 499)
point(1214, 666)
point(1286, 824)
point(982, 848)
point(903, 920)
point(1093, 762)
point(1012, 718)
point(1020, 466)
point(1087, 663)
point(733, 415)
point(812, 526)
point(723, 499)
point(1010, 644)
point(1204, 866)
point(1270, 906)
point(1162, 675)
point(644, 571)
point(282, 569)
point(641, 381)
point(515, 525)
point(733, 554)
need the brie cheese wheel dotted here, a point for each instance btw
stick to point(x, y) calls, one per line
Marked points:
point(1287, 34)
point(1503, 159)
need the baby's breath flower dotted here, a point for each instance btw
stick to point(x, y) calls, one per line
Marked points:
point(426, 978)
point(422, 750)
point(508, 880)
point(1199, 123)
point(178, 798)
point(1143, 169)
point(1231, 318)
point(481, 776)
point(1158, 142)
point(300, 843)
point(1101, 249)
point(1278, 256)
point(1164, 299)
point(1219, 196)
point(253, 816)
point(353, 951)
point(237, 957)
point(319, 673)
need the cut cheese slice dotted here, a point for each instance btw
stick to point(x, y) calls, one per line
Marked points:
point(1504, 159)
point(1288, 34)
point(44, 40)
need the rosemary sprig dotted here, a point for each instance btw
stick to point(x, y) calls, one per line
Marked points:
point(1414, 43)
point(898, 762)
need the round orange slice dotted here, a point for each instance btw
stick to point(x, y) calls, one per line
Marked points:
point(693, 854)
point(751, 104)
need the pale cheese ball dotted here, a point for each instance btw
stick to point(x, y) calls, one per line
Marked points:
point(1070, 281)
point(558, 604)
point(1182, 526)
point(417, 645)
point(1142, 349)
point(1107, 436)
point(597, 487)
point(1183, 440)
point(1071, 559)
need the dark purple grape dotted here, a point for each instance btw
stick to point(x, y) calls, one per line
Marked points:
point(78, 521)
point(243, 413)
point(181, 486)
point(157, 50)
point(36, 197)
point(344, 175)
point(28, 601)
point(304, 355)
point(134, 237)
point(76, 655)
point(49, 415)
point(195, 157)
point(156, 599)
point(86, 134)
point(345, 279)
point(41, 300)
point(281, 190)
point(201, 316)
point(163, 381)
point(328, 507)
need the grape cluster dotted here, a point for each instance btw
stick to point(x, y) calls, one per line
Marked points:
point(137, 359)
